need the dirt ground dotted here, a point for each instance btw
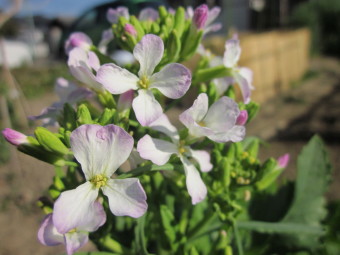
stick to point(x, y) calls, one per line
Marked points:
point(286, 123)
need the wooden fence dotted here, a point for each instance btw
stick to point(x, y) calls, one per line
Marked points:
point(277, 59)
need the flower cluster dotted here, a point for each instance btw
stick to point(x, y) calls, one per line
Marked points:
point(94, 146)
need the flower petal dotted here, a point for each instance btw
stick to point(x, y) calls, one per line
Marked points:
point(232, 53)
point(93, 61)
point(63, 88)
point(126, 197)
point(173, 80)
point(203, 159)
point(235, 134)
point(78, 39)
point(78, 63)
point(196, 112)
point(149, 52)
point(48, 234)
point(222, 84)
point(196, 187)
point(148, 14)
point(213, 14)
point(156, 150)
point(162, 124)
point(76, 209)
point(75, 240)
point(244, 77)
point(115, 79)
point(146, 107)
point(222, 114)
point(100, 150)
point(113, 15)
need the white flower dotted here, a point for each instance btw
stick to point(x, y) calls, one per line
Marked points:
point(173, 80)
point(159, 152)
point(218, 123)
point(100, 151)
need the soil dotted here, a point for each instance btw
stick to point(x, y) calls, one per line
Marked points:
point(286, 122)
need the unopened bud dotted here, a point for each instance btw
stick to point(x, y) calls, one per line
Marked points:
point(201, 16)
point(130, 29)
point(14, 137)
point(125, 100)
point(242, 118)
point(283, 160)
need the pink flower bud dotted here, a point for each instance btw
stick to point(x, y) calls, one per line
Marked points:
point(283, 160)
point(242, 118)
point(14, 137)
point(201, 16)
point(125, 100)
point(130, 29)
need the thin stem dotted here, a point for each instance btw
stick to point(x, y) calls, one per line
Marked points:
point(237, 239)
point(144, 169)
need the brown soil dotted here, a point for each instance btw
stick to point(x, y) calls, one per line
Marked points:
point(287, 122)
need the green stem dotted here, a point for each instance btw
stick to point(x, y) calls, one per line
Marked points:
point(112, 245)
point(144, 169)
point(201, 225)
point(237, 239)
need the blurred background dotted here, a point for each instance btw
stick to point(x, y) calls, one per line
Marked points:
point(292, 46)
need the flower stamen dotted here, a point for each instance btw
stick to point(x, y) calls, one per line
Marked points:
point(99, 181)
point(144, 82)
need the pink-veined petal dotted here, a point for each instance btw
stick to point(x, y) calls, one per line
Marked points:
point(235, 134)
point(148, 52)
point(100, 150)
point(173, 80)
point(162, 124)
point(196, 112)
point(126, 197)
point(243, 77)
point(77, 209)
point(196, 187)
point(78, 39)
point(78, 63)
point(232, 53)
point(213, 14)
point(75, 240)
point(146, 107)
point(115, 79)
point(148, 14)
point(93, 61)
point(156, 150)
point(48, 234)
point(203, 159)
point(222, 114)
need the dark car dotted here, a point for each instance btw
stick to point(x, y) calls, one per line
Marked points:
point(94, 21)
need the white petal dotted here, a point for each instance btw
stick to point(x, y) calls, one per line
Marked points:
point(93, 61)
point(162, 124)
point(148, 52)
point(222, 114)
point(222, 84)
point(148, 14)
point(235, 134)
point(48, 234)
point(126, 197)
point(75, 240)
point(76, 209)
point(146, 107)
point(196, 112)
point(196, 188)
point(100, 150)
point(232, 53)
point(203, 159)
point(244, 78)
point(213, 14)
point(156, 150)
point(78, 63)
point(173, 80)
point(115, 79)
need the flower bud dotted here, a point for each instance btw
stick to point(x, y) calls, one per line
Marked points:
point(201, 16)
point(77, 40)
point(14, 137)
point(242, 118)
point(130, 29)
point(283, 160)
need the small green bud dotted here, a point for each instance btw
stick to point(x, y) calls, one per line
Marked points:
point(83, 115)
point(163, 13)
point(173, 46)
point(107, 117)
point(268, 174)
point(179, 21)
point(58, 183)
point(252, 109)
point(54, 193)
point(50, 142)
point(139, 28)
point(208, 74)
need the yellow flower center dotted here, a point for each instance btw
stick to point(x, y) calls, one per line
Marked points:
point(201, 123)
point(99, 181)
point(73, 230)
point(181, 148)
point(144, 82)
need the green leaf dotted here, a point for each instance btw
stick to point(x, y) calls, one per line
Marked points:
point(308, 207)
point(167, 221)
point(140, 239)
